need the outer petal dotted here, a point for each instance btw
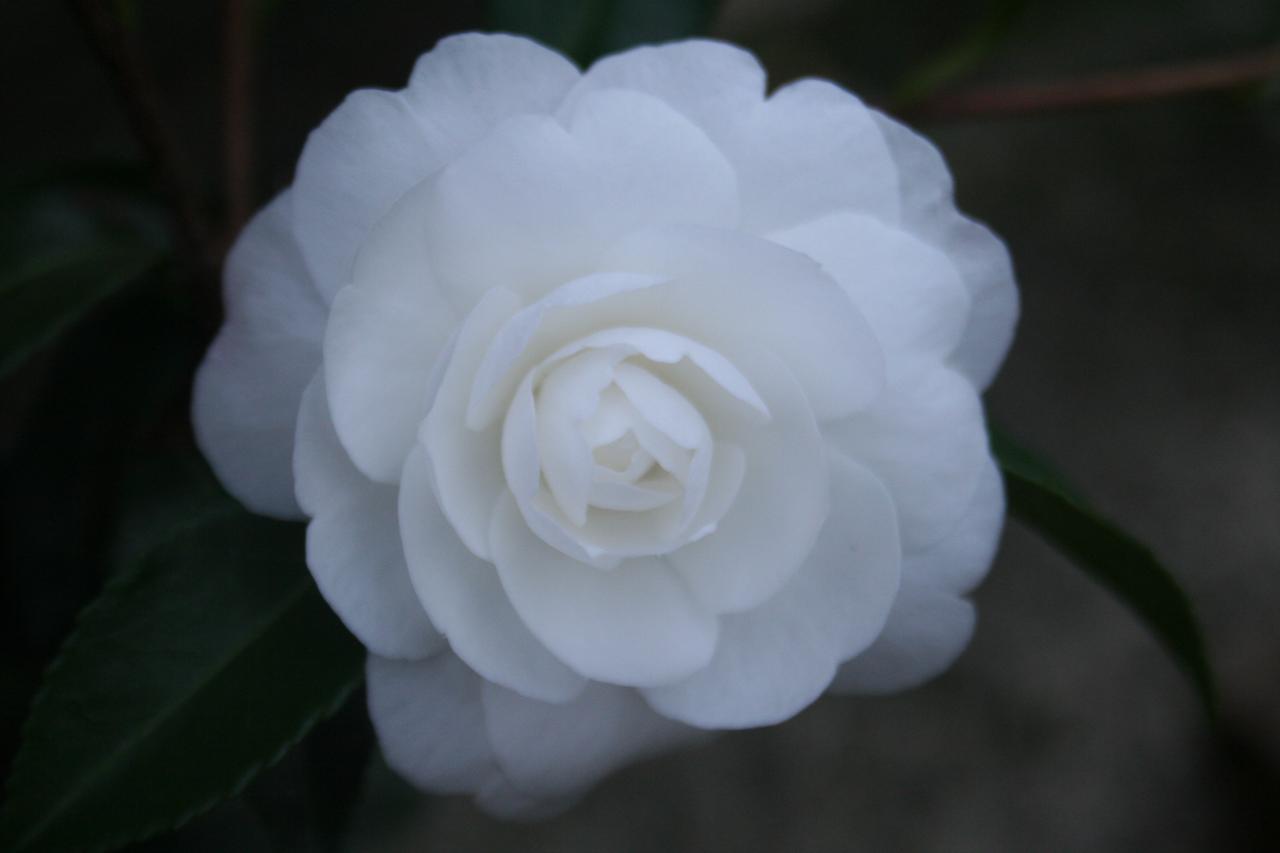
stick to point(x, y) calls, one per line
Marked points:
point(636, 624)
point(811, 149)
point(447, 730)
point(467, 464)
point(465, 600)
point(470, 82)
point(711, 83)
point(385, 332)
point(929, 211)
point(362, 157)
point(561, 750)
point(909, 291)
point(430, 723)
point(958, 562)
point(926, 631)
point(926, 439)
point(247, 390)
point(353, 541)
point(535, 203)
point(378, 144)
point(781, 506)
point(931, 623)
point(773, 661)
point(738, 294)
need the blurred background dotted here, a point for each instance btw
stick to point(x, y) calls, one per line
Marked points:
point(1146, 236)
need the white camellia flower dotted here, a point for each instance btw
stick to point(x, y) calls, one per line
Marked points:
point(624, 405)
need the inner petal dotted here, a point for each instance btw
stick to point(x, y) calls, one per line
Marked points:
point(623, 460)
point(566, 398)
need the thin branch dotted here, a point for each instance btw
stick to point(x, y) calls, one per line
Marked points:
point(121, 57)
point(239, 115)
point(1101, 90)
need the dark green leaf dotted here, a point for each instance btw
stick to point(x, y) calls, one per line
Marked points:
point(183, 680)
point(45, 296)
point(1038, 497)
point(587, 29)
point(161, 495)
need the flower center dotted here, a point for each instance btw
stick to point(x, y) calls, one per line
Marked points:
point(608, 455)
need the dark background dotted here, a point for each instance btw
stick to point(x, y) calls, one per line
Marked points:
point(1147, 365)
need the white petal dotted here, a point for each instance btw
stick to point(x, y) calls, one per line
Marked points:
point(561, 750)
point(520, 454)
point(566, 398)
point(353, 541)
point(468, 83)
point(909, 291)
point(927, 440)
point(773, 522)
point(248, 388)
point(959, 561)
point(322, 470)
point(609, 425)
point(651, 164)
point(663, 347)
point(662, 406)
point(812, 149)
point(378, 144)
point(534, 204)
point(465, 600)
point(467, 464)
point(364, 156)
point(728, 470)
point(711, 83)
point(774, 660)
point(737, 294)
point(981, 258)
point(635, 625)
point(522, 464)
point(534, 333)
point(610, 537)
point(927, 630)
point(632, 497)
point(385, 332)
point(429, 719)
point(583, 312)
point(659, 445)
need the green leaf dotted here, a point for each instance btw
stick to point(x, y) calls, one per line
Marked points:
point(1039, 498)
point(116, 386)
point(47, 295)
point(188, 676)
point(587, 29)
point(160, 496)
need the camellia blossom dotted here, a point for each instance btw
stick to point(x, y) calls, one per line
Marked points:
point(624, 404)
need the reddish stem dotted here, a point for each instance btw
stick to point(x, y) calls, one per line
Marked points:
point(1103, 89)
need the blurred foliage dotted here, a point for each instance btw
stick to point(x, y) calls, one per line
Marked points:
point(41, 299)
point(995, 26)
point(587, 29)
